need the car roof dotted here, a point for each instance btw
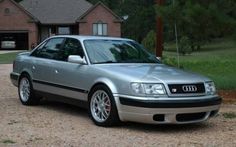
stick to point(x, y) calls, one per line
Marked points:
point(82, 38)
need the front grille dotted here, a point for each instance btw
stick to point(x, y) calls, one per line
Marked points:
point(197, 88)
point(190, 117)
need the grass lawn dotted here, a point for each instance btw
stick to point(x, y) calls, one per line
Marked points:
point(217, 60)
point(8, 57)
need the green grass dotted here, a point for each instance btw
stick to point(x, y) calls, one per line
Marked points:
point(217, 60)
point(8, 141)
point(8, 58)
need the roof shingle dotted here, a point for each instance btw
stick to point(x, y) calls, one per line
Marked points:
point(56, 11)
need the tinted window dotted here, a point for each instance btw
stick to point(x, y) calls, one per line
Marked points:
point(71, 47)
point(50, 50)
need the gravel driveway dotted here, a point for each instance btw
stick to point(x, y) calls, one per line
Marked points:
point(57, 124)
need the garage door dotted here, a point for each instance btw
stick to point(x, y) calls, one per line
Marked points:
point(14, 40)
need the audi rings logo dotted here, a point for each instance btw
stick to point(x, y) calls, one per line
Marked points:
point(189, 88)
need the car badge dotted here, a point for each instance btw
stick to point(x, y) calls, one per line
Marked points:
point(174, 90)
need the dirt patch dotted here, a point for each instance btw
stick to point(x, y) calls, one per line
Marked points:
point(57, 124)
point(229, 96)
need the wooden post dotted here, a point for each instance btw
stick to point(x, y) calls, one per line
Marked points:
point(159, 32)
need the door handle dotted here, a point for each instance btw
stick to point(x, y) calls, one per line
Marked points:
point(56, 71)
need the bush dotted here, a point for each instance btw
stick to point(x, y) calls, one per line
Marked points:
point(149, 42)
point(169, 61)
point(185, 46)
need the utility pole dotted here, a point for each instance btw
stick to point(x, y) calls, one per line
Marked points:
point(159, 32)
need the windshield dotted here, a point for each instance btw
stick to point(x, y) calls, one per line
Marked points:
point(117, 51)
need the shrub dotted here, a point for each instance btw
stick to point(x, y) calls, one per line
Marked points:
point(149, 42)
point(185, 46)
point(169, 61)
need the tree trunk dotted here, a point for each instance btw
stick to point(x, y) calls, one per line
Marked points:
point(198, 47)
point(192, 47)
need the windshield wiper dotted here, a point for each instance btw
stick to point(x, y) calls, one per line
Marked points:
point(110, 61)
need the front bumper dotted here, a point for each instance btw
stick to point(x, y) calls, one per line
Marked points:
point(14, 78)
point(167, 111)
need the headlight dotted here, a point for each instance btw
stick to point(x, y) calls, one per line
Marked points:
point(210, 88)
point(137, 88)
point(148, 89)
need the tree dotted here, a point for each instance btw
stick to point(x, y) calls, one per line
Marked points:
point(112, 4)
point(201, 20)
point(17, 1)
point(142, 18)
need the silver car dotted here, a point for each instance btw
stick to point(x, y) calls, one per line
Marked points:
point(116, 79)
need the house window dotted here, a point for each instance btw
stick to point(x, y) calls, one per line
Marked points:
point(100, 29)
point(7, 11)
point(64, 31)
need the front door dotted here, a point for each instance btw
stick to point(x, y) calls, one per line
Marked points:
point(42, 64)
point(70, 77)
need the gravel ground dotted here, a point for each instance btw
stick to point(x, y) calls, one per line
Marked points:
point(57, 124)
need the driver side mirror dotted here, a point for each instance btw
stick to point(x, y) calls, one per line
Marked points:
point(76, 59)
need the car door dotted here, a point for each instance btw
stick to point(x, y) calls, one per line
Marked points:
point(71, 77)
point(43, 63)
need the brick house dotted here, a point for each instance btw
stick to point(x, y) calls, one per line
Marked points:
point(32, 21)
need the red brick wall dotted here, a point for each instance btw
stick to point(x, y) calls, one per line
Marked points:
point(97, 14)
point(17, 20)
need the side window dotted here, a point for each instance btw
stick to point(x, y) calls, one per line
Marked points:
point(50, 50)
point(71, 47)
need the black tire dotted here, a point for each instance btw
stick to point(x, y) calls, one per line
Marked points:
point(113, 118)
point(32, 98)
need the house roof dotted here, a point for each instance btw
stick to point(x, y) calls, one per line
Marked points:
point(80, 18)
point(34, 19)
point(56, 11)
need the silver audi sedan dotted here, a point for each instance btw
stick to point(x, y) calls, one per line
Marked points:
point(116, 79)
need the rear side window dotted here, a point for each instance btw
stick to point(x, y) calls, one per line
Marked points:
point(71, 47)
point(50, 50)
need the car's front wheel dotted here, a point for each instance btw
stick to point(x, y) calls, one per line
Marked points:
point(26, 93)
point(102, 107)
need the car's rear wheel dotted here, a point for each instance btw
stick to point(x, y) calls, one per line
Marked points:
point(102, 107)
point(26, 93)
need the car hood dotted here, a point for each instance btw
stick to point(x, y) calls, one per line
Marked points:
point(151, 73)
